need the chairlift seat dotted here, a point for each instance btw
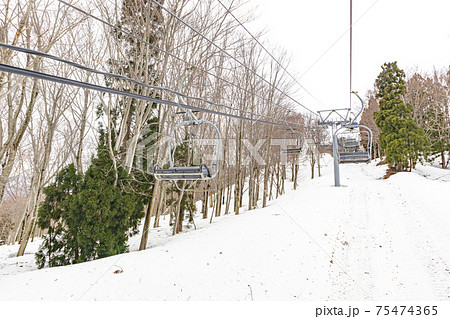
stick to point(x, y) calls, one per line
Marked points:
point(354, 161)
point(354, 153)
point(292, 150)
point(354, 157)
point(192, 173)
point(351, 144)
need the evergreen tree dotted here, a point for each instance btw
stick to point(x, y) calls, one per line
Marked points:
point(90, 216)
point(401, 138)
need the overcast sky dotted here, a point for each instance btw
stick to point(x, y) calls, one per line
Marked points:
point(414, 33)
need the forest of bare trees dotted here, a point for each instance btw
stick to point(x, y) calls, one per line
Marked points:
point(45, 126)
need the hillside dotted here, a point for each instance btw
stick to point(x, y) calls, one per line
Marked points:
point(372, 239)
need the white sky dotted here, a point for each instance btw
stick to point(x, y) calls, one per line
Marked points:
point(414, 33)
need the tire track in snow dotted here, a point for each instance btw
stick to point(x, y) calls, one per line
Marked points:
point(350, 248)
point(386, 260)
point(411, 258)
point(436, 267)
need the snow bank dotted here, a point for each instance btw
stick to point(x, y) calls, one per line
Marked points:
point(372, 239)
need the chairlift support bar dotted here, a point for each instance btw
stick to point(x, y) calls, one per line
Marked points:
point(299, 146)
point(189, 173)
point(190, 114)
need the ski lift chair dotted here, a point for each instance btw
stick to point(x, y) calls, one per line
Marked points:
point(350, 154)
point(205, 170)
point(350, 145)
point(291, 134)
point(299, 141)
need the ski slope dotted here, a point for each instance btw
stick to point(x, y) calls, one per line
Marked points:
point(373, 239)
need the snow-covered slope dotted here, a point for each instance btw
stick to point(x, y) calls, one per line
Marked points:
point(372, 239)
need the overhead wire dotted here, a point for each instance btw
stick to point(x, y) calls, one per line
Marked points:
point(162, 50)
point(230, 56)
point(103, 89)
point(122, 77)
point(268, 52)
point(351, 49)
point(337, 40)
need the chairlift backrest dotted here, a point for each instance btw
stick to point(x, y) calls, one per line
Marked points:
point(299, 142)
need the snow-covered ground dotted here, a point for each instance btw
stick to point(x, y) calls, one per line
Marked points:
point(433, 172)
point(372, 239)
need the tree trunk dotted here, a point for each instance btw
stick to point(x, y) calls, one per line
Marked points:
point(318, 163)
point(160, 208)
point(257, 186)
point(272, 176)
point(83, 122)
point(219, 202)
point(148, 217)
point(278, 183)
point(205, 204)
point(241, 189)
point(179, 213)
point(295, 176)
point(146, 228)
point(251, 182)
point(228, 201)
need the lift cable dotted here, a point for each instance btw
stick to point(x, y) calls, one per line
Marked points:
point(230, 56)
point(122, 77)
point(351, 50)
point(90, 86)
point(268, 52)
point(163, 51)
point(337, 40)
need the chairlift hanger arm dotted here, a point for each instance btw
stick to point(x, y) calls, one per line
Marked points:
point(362, 104)
point(180, 89)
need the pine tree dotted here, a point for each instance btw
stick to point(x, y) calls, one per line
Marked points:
point(56, 248)
point(88, 216)
point(401, 138)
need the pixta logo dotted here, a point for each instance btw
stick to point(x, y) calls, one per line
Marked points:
point(152, 149)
